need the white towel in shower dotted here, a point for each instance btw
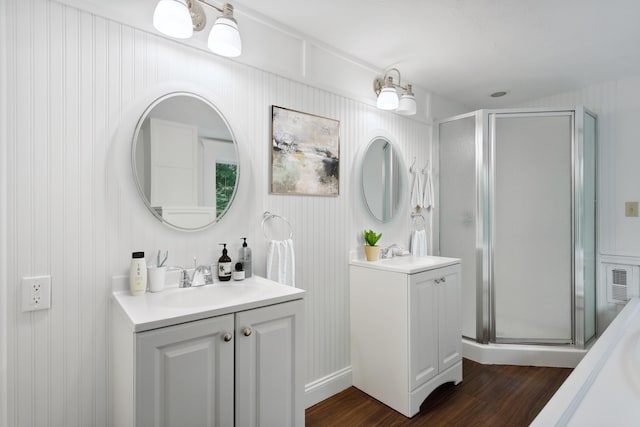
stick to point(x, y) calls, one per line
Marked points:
point(416, 190)
point(427, 194)
point(419, 243)
point(281, 263)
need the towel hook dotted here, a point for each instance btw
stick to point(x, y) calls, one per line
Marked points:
point(267, 216)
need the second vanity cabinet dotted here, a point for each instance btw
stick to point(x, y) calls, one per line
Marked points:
point(243, 368)
point(406, 329)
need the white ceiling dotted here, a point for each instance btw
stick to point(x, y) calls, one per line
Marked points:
point(467, 49)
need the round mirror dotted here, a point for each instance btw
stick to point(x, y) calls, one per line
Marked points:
point(185, 161)
point(382, 179)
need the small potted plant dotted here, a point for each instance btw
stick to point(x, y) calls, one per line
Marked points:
point(371, 250)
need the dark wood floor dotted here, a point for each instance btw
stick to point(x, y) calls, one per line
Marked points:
point(489, 395)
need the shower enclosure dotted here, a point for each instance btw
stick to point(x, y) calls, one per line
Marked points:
point(517, 193)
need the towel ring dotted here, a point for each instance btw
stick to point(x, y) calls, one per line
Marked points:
point(415, 216)
point(266, 216)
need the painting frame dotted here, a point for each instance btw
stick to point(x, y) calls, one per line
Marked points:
point(305, 154)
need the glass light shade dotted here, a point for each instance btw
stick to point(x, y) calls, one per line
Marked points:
point(173, 19)
point(224, 38)
point(407, 105)
point(388, 99)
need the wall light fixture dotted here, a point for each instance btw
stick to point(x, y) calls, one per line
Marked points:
point(180, 18)
point(387, 93)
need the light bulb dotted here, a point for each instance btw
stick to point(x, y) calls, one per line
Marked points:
point(388, 99)
point(172, 18)
point(224, 38)
point(407, 105)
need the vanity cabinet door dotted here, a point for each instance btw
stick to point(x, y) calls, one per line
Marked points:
point(184, 374)
point(449, 318)
point(269, 366)
point(423, 328)
point(435, 323)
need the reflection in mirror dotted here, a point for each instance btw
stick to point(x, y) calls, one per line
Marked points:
point(185, 161)
point(382, 179)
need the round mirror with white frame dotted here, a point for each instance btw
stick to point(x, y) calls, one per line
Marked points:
point(383, 178)
point(185, 161)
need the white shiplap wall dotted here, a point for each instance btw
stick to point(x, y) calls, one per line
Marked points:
point(617, 105)
point(76, 85)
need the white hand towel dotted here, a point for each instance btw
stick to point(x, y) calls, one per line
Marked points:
point(281, 264)
point(427, 196)
point(416, 190)
point(419, 243)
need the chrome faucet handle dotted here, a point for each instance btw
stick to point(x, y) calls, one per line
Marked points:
point(185, 280)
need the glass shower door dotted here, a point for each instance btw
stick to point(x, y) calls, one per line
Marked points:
point(458, 223)
point(588, 232)
point(531, 226)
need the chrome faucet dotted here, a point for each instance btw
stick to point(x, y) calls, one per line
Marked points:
point(393, 250)
point(388, 251)
point(201, 276)
point(185, 280)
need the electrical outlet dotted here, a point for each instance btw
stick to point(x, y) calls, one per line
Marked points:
point(36, 293)
point(631, 209)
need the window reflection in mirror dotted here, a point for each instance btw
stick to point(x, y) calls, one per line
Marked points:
point(185, 161)
point(382, 179)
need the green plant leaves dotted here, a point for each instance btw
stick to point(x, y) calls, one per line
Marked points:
point(371, 238)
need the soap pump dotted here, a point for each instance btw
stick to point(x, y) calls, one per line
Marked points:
point(245, 257)
point(224, 265)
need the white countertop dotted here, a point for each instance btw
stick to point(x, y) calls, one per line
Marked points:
point(407, 264)
point(178, 305)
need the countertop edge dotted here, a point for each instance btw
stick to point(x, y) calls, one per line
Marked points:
point(206, 314)
point(139, 321)
point(379, 265)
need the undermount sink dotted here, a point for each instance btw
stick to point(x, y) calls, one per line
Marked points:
point(205, 296)
point(403, 260)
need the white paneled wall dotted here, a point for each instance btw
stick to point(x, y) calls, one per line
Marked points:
point(618, 108)
point(3, 221)
point(76, 85)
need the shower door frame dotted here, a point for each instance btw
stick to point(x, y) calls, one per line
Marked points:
point(481, 215)
point(485, 309)
point(491, 117)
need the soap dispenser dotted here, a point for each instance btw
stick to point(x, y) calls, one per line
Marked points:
point(224, 265)
point(138, 274)
point(245, 258)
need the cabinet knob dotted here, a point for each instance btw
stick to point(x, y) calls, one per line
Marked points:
point(246, 332)
point(444, 279)
point(227, 337)
point(437, 281)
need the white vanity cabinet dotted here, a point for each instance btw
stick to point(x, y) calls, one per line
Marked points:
point(269, 368)
point(184, 374)
point(406, 329)
point(241, 367)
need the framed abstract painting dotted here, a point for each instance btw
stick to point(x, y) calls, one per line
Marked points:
point(305, 153)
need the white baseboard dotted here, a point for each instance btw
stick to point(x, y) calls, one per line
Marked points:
point(523, 355)
point(325, 387)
